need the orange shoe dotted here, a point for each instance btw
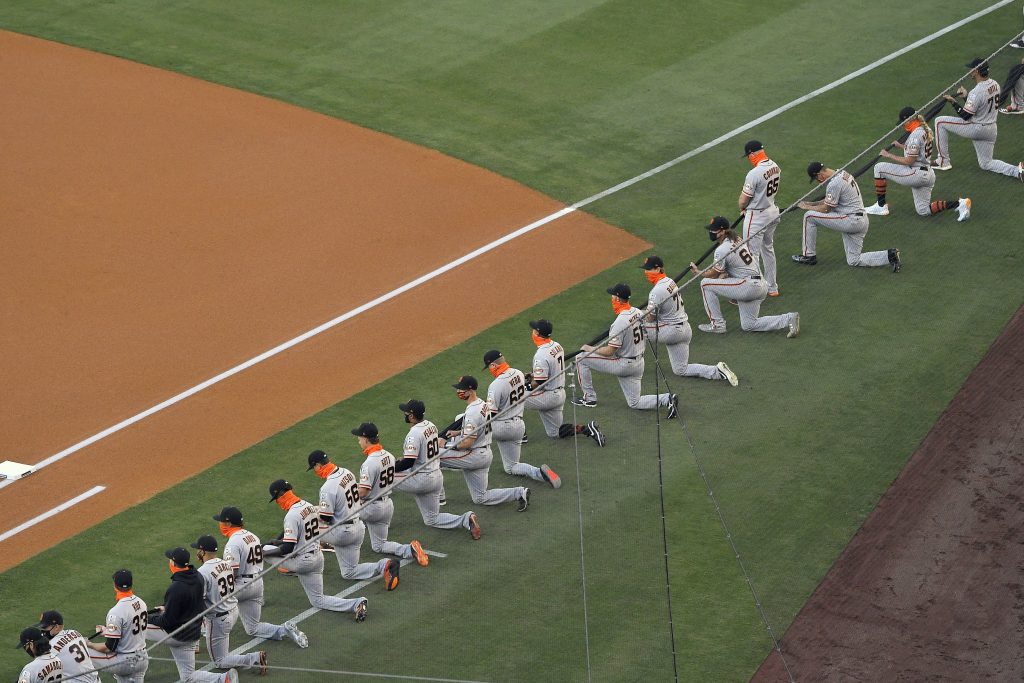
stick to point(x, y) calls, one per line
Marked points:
point(417, 551)
point(474, 527)
point(391, 570)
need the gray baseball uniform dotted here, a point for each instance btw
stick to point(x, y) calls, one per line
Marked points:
point(378, 472)
point(339, 498)
point(743, 284)
point(668, 324)
point(126, 621)
point(427, 482)
point(302, 527)
point(982, 102)
point(45, 668)
point(626, 337)
point(220, 590)
point(919, 177)
point(762, 215)
point(73, 652)
point(549, 400)
point(506, 401)
point(244, 552)
point(847, 217)
point(475, 463)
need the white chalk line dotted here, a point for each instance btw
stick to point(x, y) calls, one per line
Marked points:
point(437, 272)
point(51, 512)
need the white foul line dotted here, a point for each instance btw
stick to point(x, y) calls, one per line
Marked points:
point(51, 512)
point(499, 242)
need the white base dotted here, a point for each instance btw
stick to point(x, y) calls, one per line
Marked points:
point(14, 470)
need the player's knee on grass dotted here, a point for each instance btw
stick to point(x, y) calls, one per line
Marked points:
point(479, 498)
point(633, 402)
point(853, 260)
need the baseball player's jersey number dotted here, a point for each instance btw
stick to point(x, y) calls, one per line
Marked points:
point(433, 448)
point(76, 650)
point(516, 394)
point(312, 527)
point(745, 255)
point(139, 623)
point(255, 555)
point(638, 334)
point(226, 584)
point(387, 477)
point(773, 186)
point(352, 495)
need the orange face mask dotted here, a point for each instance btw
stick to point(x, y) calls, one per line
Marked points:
point(619, 305)
point(226, 529)
point(372, 448)
point(286, 500)
point(912, 125)
point(498, 370)
point(324, 471)
point(537, 339)
point(653, 276)
point(757, 157)
point(175, 568)
point(123, 594)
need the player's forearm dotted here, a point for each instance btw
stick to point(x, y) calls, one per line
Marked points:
point(606, 351)
point(743, 201)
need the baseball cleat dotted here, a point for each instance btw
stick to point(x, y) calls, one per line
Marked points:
point(524, 500)
point(1011, 110)
point(673, 406)
point(939, 165)
point(728, 374)
point(295, 634)
point(734, 302)
point(262, 663)
point(524, 440)
point(1019, 44)
point(580, 401)
point(550, 476)
point(773, 292)
point(811, 260)
point(595, 433)
point(230, 676)
point(286, 572)
point(712, 328)
point(1020, 171)
point(417, 551)
point(391, 570)
point(894, 259)
point(794, 325)
point(361, 610)
point(442, 501)
point(876, 210)
point(474, 527)
point(964, 209)
point(326, 547)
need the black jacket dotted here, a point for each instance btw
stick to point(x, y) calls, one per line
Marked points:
point(182, 601)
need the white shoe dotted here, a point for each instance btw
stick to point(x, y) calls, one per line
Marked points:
point(794, 326)
point(1019, 44)
point(876, 210)
point(1011, 110)
point(295, 634)
point(728, 374)
point(964, 209)
point(939, 165)
point(712, 328)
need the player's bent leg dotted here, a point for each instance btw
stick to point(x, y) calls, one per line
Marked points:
point(476, 481)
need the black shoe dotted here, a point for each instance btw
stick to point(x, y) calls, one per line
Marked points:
point(673, 406)
point(894, 259)
point(580, 401)
point(595, 433)
point(811, 260)
point(524, 440)
point(524, 501)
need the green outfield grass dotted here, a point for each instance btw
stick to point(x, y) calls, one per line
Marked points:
point(571, 98)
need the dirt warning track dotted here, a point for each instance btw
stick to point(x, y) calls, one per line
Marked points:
point(160, 230)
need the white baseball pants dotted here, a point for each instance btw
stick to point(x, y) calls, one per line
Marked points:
point(550, 406)
point(347, 538)
point(310, 568)
point(629, 371)
point(184, 654)
point(759, 225)
point(377, 516)
point(508, 434)
point(853, 228)
point(920, 181)
point(218, 641)
point(677, 338)
point(426, 487)
point(249, 593)
point(125, 667)
point(475, 465)
point(984, 138)
point(748, 294)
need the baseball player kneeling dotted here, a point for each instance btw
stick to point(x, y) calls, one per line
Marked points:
point(45, 666)
point(69, 645)
point(123, 651)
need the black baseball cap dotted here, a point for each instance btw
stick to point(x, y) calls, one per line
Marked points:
point(231, 515)
point(205, 543)
point(466, 382)
point(751, 147)
point(413, 406)
point(718, 223)
point(814, 168)
point(178, 556)
point(980, 64)
point(906, 113)
point(544, 327)
point(29, 635)
point(49, 618)
point(620, 290)
point(122, 579)
point(315, 458)
point(653, 262)
point(491, 356)
point(277, 487)
point(367, 429)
